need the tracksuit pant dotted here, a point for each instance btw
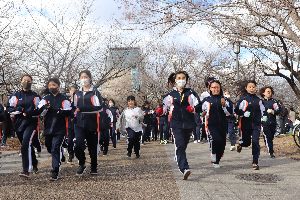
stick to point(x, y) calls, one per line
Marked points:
point(269, 133)
point(134, 139)
point(163, 129)
point(182, 137)
point(53, 144)
point(28, 155)
point(248, 134)
point(146, 133)
point(113, 135)
point(104, 140)
point(36, 142)
point(71, 136)
point(196, 132)
point(91, 137)
point(217, 142)
point(231, 133)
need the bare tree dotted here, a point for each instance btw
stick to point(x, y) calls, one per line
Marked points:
point(268, 29)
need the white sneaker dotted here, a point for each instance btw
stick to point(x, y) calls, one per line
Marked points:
point(216, 166)
point(213, 157)
point(186, 174)
point(232, 148)
point(198, 141)
point(195, 141)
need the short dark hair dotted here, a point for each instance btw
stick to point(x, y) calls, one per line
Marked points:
point(87, 72)
point(55, 80)
point(26, 75)
point(263, 89)
point(73, 86)
point(130, 98)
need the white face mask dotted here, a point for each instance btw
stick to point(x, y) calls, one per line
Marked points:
point(84, 82)
point(110, 104)
point(180, 83)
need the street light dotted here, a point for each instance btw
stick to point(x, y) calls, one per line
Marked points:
point(237, 50)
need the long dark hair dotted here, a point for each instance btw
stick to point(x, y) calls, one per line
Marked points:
point(244, 84)
point(218, 82)
point(263, 89)
point(208, 81)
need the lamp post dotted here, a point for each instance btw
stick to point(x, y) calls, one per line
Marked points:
point(236, 50)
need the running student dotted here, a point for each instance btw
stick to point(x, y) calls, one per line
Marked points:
point(273, 108)
point(231, 122)
point(130, 121)
point(23, 105)
point(182, 103)
point(251, 111)
point(106, 121)
point(87, 103)
point(116, 114)
point(55, 108)
point(215, 109)
point(71, 134)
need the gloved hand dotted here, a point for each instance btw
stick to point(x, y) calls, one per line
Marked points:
point(264, 118)
point(247, 114)
point(190, 109)
point(270, 111)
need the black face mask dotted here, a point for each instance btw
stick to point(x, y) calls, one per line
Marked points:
point(26, 85)
point(53, 90)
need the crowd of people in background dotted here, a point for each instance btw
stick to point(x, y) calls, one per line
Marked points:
point(83, 118)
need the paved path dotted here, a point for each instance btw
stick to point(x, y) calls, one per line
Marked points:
point(155, 176)
point(277, 179)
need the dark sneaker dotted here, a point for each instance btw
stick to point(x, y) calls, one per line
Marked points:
point(114, 146)
point(54, 176)
point(35, 169)
point(80, 170)
point(137, 156)
point(186, 174)
point(24, 174)
point(129, 155)
point(239, 148)
point(94, 172)
point(104, 153)
point(272, 155)
point(255, 166)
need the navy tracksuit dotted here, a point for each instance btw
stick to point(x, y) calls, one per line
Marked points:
point(105, 127)
point(269, 127)
point(154, 126)
point(231, 122)
point(250, 126)
point(87, 124)
point(113, 135)
point(147, 129)
point(26, 102)
point(197, 129)
point(182, 121)
point(164, 127)
point(216, 125)
point(58, 109)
